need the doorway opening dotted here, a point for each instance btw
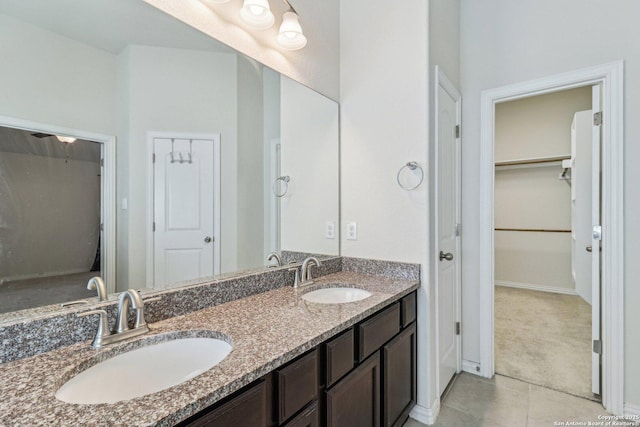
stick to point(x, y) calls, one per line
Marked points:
point(608, 349)
point(543, 220)
point(59, 186)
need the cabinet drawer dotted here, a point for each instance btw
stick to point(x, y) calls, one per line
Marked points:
point(376, 331)
point(339, 358)
point(247, 409)
point(408, 305)
point(307, 418)
point(297, 385)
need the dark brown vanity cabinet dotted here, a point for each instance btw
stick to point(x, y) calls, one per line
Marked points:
point(399, 377)
point(363, 377)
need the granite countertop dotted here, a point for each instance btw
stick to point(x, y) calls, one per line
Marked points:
point(267, 330)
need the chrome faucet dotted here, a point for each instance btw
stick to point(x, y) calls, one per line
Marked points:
point(274, 255)
point(96, 283)
point(121, 330)
point(305, 270)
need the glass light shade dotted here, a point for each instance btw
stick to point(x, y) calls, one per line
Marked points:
point(215, 1)
point(290, 35)
point(257, 14)
point(67, 139)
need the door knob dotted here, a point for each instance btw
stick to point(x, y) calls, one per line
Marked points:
point(448, 256)
point(207, 239)
point(589, 248)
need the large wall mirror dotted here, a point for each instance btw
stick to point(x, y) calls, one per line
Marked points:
point(134, 147)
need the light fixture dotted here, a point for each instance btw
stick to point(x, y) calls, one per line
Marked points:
point(66, 139)
point(290, 35)
point(257, 14)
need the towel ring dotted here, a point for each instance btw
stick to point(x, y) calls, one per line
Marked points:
point(411, 166)
point(285, 179)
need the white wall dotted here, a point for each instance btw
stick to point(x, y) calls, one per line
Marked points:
point(532, 196)
point(45, 199)
point(310, 153)
point(51, 79)
point(539, 126)
point(250, 213)
point(504, 42)
point(157, 103)
point(384, 124)
point(316, 66)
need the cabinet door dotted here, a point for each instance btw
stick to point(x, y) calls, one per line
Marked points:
point(355, 400)
point(307, 418)
point(248, 409)
point(399, 377)
point(297, 385)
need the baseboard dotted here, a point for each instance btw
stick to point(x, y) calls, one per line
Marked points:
point(471, 367)
point(532, 287)
point(426, 415)
point(632, 410)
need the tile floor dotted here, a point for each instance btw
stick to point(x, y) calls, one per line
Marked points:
point(504, 402)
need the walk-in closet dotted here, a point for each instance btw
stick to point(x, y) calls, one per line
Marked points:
point(542, 217)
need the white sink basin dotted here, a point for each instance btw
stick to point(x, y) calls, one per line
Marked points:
point(336, 295)
point(145, 370)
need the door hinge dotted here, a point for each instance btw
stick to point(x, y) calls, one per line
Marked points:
point(457, 131)
point(153, 158)
point(597, 346)
point(597, 118)
point(154, 226)
point(457, 328)
point(101, 163)
point(458, 229)
point(597, 232)
point(101, 227)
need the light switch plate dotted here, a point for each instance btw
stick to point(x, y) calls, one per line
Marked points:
point(352, 231)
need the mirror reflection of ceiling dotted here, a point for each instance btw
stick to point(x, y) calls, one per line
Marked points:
point(120, 23)
point(26, 142)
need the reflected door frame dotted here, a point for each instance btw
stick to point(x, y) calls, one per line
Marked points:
point(107, 187)
point(215, 140)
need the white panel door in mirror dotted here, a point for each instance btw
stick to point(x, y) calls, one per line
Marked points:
point(183, 210)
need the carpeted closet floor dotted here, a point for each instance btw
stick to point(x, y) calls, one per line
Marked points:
point(544, 338)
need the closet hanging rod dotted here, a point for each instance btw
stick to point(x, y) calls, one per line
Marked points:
point(533, 230)
point(532, 161)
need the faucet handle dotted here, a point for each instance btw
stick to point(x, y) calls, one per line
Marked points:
point(296, 277)
point(103, 326)
point(140, 320)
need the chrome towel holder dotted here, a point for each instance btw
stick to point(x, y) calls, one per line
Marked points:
point(411, 166)
point(285, 180)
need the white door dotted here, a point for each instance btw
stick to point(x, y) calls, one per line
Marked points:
point(184, 215)
point(596, 238)
point(581, 223)
point(447, 228)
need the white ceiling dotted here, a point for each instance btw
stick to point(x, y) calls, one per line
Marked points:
point(110, 25)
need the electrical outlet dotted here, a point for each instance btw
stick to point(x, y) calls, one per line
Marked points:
point(352, 231)
point(331, 230)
